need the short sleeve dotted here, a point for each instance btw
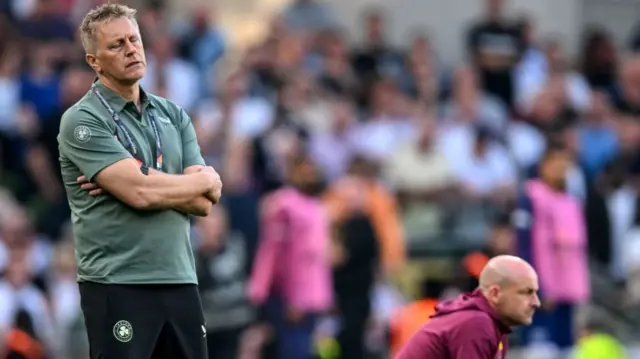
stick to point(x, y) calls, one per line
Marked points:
point(191, 155)
point(89, 143)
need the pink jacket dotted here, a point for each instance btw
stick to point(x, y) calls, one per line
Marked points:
point(292, 259)
point(552, 236)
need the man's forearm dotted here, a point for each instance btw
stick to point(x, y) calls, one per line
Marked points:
point(199, 205)
point(169, 191)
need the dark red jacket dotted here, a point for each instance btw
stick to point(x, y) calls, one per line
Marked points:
point(466, 327)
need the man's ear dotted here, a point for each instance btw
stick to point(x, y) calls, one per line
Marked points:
point(93, 62)
point(493, 292)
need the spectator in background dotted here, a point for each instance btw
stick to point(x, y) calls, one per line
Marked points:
point(304, 102)
point(64, 297)
point(40, 84)
point(424, 180)
point(42, 153)
point(10, 99)
point(291, 276)
point(500, 241)
point(631, 263)
point(471, 104)
point(495, 46)
point(559, 82)
point(407, 320)
point(567, 134)
point(355, 253)
point(599, 59)
point(376, 57)
point(598, 140)
point(170, 76)
point(339, 138)
point(18, 235)
point(203, 44)
point(337, 76)
point(47, 23)
point(286, 136)
point(362, 192)
point(18, 294)
point(423, 78)
point(551, 235)
point(221, 264)
point(634, 44)
point(22, 341)
point(309, 15)
point(389, 123)
point(625, 94)
point(610, 213)
point(533, 59)
point(486, 173)
point(153, 18)
point(16, 120)
point(595, 341)
point(233, 114)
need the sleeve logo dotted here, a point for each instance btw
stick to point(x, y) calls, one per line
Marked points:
point(82, 133)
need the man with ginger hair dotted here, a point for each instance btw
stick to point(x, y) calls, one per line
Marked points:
point(475, 325)
point(133, 174)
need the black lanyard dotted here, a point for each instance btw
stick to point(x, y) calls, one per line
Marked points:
point(132, 148)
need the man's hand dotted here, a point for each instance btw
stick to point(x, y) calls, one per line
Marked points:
point(92, 188)
point(216, 192)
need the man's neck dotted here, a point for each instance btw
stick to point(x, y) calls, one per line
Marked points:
point(130, 93)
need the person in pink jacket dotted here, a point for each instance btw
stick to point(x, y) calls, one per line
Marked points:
point(291, 276)
point(551, 235)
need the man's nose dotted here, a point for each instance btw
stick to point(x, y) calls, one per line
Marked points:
point(130, 48)
point(536, 301)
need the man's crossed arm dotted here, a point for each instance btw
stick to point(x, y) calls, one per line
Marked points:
point(89, 143)
point(194, 192)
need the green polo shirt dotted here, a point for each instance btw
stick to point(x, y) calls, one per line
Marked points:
point(116, 243)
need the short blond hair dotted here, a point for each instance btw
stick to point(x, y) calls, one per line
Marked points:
point(101, 14)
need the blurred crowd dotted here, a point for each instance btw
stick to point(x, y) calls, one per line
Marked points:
point(520, 150)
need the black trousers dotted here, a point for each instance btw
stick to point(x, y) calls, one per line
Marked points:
point(143, 321)
point(354, 313)
point(224, 344)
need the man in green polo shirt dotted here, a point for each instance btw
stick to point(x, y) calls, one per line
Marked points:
point(133, 174)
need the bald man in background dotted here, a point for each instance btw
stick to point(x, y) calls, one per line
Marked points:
point(475, 325)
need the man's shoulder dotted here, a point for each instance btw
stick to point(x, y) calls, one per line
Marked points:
point(167, 109)
point(475, 318)
point(164, 104)
point(79, 111)
point(464, 321)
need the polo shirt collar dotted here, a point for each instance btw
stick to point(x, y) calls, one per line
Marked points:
point(116, 101)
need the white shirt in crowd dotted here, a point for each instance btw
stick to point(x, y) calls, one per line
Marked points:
point(182, 81)
point(30, 299)
point(250, 116)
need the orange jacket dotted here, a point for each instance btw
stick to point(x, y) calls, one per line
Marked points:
point(408, 320)
point(17, 341)
point(474, 263)
point(382, 209)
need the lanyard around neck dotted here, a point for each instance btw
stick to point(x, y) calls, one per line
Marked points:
point(121, 128)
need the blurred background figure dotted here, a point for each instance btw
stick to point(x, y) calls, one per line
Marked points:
point(552, 236)
point(421, 147)
point(291, 278)
point(597, 341)
point(222, 264)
